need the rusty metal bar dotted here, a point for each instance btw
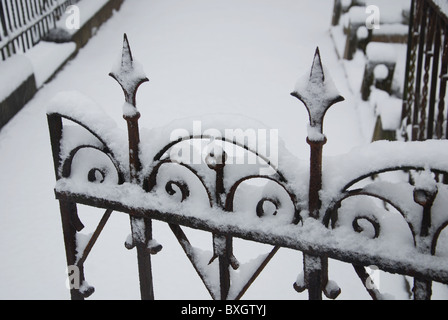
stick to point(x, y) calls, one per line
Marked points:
point(188, 249)
point(68, 212)
point(141, 227)
point(144, 263)
point(315, 177)
point(365, 278)
point(316, 266)
point(435, 78)
point(55, 126)
point(428, 58)
point(94, 238)
point(222, 245)
point(225, 252)
point(258, 272)
point(315, 270)
point(422, 289)
point(418, 77)
point(410, 68)
point(332, 252)
point(442, 90)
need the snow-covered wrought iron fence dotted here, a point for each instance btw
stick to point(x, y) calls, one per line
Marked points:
point(23, 23)
point(327, 208)
point(424, 110)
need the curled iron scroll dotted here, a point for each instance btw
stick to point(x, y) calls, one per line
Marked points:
point(66, 165)
point(163, 157)
point(421, 197)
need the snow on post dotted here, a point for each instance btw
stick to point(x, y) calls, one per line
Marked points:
point(130, 75)
point(318, 93)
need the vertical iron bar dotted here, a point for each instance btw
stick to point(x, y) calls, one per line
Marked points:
point(8, 16)
point(316, 267)
point(411, 93)
point(224, 266)
point(442, 91)
point(315, 176)
point(141, 227)
point(143, 257)
point(27, 11)
point(337, 11)
point(55, 125)
point(314, 274)
point(19, 14)
point(422, 289)
point(428, 57)
point(33, 8)
point(3, 19)
point(434, 80)
point(39, 3)
point(144, 264)
point(223, 245)
point(406, 87)
point(13, 15)
point(68, 210)
point(421, 47)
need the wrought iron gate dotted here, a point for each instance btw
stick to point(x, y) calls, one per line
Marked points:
point(308, 209)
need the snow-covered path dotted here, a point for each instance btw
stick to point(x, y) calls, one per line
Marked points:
point(202, 57)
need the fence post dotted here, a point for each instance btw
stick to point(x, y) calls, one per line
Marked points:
point(70, 226)
point(318, 94)
point(130, 77)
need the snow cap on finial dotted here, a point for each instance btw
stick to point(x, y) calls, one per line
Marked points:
point(128, 73)
point(318, 93)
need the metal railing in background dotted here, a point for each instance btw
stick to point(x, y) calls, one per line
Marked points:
point(23, 23)
point(424, 111)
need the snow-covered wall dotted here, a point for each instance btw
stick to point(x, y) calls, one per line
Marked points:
point(33, 69)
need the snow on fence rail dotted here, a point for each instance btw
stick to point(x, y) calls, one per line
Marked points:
point(23, 23)
point(339, 208)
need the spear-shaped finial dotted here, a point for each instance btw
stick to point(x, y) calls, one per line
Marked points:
point(318, 92)
point(128, 73)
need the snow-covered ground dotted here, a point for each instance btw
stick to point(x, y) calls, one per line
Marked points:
point(239, 57)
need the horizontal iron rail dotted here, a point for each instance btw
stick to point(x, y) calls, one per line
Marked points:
point(414, 267)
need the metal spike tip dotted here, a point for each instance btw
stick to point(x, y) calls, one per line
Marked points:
point(128, 73)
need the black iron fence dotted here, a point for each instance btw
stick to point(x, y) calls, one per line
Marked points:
point(424, 110)
point(327, 209)
point(23, 23)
